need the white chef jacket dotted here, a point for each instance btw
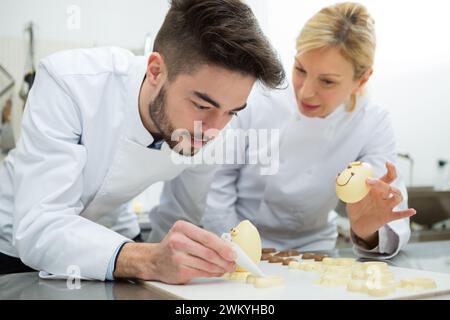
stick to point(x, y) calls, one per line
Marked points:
point(82, 155)
point(294, 208)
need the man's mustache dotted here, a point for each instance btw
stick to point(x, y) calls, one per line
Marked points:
point(196, 136)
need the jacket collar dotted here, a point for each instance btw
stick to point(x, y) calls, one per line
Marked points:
point(135, 128)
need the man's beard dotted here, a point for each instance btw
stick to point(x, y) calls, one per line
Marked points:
point(158, 114)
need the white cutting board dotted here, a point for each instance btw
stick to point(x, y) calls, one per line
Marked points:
point(299, 285)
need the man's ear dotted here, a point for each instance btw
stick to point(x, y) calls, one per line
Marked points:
point(156, 69)
point(361, 82)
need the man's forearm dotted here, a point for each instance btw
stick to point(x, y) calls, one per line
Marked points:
point(135, 261)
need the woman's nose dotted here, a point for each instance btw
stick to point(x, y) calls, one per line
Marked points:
point(307, 90)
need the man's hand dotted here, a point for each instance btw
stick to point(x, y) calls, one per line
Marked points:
point(187, 252)
point(376, 209)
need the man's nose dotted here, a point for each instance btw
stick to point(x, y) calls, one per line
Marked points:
point(216, 123)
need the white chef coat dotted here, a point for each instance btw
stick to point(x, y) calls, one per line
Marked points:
point(82, 155)
point(294, 208)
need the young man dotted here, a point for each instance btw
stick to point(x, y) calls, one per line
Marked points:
point(97, 131)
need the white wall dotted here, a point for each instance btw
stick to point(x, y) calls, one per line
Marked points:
point(102, 22)
point(66, 24)
point(412, 69)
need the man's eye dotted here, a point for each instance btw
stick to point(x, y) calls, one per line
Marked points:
point(301, 70)
point(233, 113)
point(200, 107)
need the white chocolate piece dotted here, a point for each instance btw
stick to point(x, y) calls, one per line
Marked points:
point(237, 276)
point(247, 237)
point(329, 261)
point(226, 276)
point(379, 264)
point(332, 280)
point(257, 282)
point(382, 289)
point(373, 272)
point(267, 282)
point(378, 275)
point(314, 266)
point(251, 279)
point(351, 186)
point(345, 262)
point(357, 286)
point(359, 274)
point(418, 284)
point(380, 281)
point(357, 266)
point(382, 276)
point(301, 265)
point(337, 271)
point(386, 276)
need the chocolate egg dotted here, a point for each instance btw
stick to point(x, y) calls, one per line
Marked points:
point(247, 237)
point(351, 186)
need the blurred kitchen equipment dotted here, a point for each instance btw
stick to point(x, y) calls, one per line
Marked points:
point(432, 206)
point(442, 180)
point(7, 141)
point(6, 82)
point(30, 70)
point(148, 46)
point(410, 160)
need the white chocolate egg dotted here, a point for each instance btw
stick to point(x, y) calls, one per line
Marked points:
point(351, 186)
point(247, 237)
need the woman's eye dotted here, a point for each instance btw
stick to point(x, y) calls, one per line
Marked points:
point(301, 70)
point(327, 82)
point(233, 114)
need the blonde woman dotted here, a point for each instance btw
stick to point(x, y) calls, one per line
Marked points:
point(326, 123)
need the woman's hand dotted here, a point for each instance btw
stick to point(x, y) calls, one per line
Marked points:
point(376, 209)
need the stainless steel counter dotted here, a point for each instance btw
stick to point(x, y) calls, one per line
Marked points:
point(431, 256)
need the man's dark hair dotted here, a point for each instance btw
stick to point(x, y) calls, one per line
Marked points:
point(224, 33)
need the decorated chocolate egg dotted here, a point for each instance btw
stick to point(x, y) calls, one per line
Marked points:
point(351, 186)
point(247, 237)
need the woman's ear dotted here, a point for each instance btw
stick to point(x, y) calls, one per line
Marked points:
point(361, 82)
point(156, 69)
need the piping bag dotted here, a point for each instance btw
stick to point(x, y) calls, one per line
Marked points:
point(242, 259)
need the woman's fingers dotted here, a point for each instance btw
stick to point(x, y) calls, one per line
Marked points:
point(385, 190)
point(390, 175)
point(396, 197)
point(379, 187)
point(398, 215)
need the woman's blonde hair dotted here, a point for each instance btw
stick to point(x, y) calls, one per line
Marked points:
point(347, 26)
